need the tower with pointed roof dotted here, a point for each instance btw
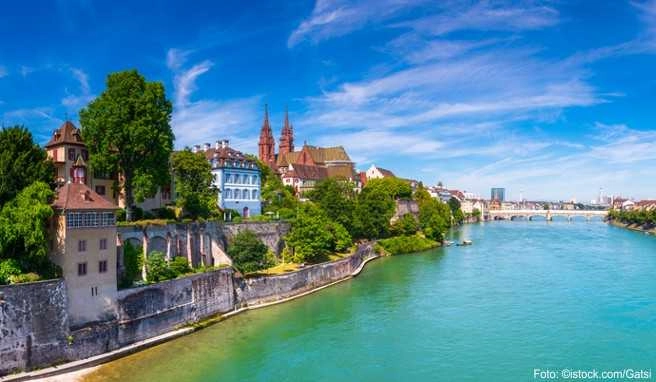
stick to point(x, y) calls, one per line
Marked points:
point(267, 144)
point(286, 137)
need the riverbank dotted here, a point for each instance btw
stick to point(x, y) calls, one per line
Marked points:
point(648, 229)
point(173, 316)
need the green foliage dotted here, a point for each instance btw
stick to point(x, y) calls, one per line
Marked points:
point(456, 212)
point(336, 198)
point(29, 277)
point(434, 219)
point(247, 252)
point(407, 244)
point(421, 194)
point(132, 260)
point(406, 225)
point(276, 197)
point(195, 192)
point(639, 217)
point(373, 211)
point(22, 162)
point(157, 268)
point(394, 187)
point(179, 265)
point(8, 268)
point(126, 130)
point(23, 230)
point(314, 235)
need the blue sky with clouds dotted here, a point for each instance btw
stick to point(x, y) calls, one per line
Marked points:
point(553, 98)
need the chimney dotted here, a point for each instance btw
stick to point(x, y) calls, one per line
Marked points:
point(195, 149)
point(225, 143)
point(206, 147)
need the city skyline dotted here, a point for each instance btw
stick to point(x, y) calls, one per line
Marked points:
point(476, 95)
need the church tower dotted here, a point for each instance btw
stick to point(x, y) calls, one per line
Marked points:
point(267, 144)
point(286, 137)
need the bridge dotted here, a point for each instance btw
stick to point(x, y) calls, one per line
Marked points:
point(547, 214)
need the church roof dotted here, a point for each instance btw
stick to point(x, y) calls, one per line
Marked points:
point(386, 173)
point(306, 172)
point(67, 133)
point(345, 172)
point(320, 155)
point(77, 196)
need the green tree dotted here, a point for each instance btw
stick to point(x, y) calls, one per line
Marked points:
point(158, 268)
point(195, 192)
point(247, 252)
point(22, 162)
point(434, 219)
point(127, 131)
point(373, 211)
point(132, 259)
point(336, 198)
point(179, 265)
point(23, 229)
point(406, 225)
point(456, 212)
point(314, 235)
point(394, 187)
point(276, 197)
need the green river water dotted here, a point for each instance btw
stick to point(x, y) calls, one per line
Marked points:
point(525, 296)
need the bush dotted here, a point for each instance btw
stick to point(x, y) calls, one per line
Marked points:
point(180, 266)
point(248, 253)
point(406, 225)
point(164, 213)
point(24, 278)
point(8, 268)
point(407, 244)
point(132, 261)
point(157, 268)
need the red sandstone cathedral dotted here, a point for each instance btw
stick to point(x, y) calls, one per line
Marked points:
point(302, 169)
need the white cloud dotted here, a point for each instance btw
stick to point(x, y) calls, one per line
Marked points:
point(76, 100)
point(175, 58)
point(185, 82)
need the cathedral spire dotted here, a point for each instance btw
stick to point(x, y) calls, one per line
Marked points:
point(267, 144)
point(287, 136)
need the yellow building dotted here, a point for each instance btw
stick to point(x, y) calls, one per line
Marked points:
point(84, 246)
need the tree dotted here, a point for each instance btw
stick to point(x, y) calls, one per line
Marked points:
point(23, 229)
point(406, 225)
point(314, 235)
point(373, 211)
point(132, 259)
point(456, 212)
point(195, 192)
point(22, 162)
point(336, 198)
point(158, 268)
point(127, 131)
point(434, 219)
point(247, 252)
point(394, 187)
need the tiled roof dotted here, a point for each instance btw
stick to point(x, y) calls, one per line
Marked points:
point(66, 134)
point(320, 155)
point(77, 196)
point(306, 172)
point(345, 172)
point(223, 154)
point(386, 173)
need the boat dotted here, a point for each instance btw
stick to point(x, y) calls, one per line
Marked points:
point(465, 242)
point(448, 243)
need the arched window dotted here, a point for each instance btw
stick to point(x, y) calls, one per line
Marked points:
point(254, 179)
point(246, 196)
point(237, 180)
point(228, 193)
point(254, 196)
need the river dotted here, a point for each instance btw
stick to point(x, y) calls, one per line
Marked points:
point(526, 295)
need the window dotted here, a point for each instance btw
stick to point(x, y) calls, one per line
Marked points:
point(82, 246)
point(245, 194)
point(71, 154)
point(90, 219)
point(254, 179)
point(254, 197)
point(81, 269)
point(228, 193)
point(237, 179)
point(100, 190)
point(102, 266)
point(103, 244)
point(94, 291)
point(85, 155)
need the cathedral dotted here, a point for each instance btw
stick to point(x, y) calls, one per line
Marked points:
point(303, 168)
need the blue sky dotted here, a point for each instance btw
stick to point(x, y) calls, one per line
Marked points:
point(555, 98)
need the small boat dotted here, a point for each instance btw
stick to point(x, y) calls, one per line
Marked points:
point(465, 242)
point(448, 243)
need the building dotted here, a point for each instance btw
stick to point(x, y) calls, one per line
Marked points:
point(375, 172)
point(303, 178)
point(67, 149)
point(236, 177)
point(498, 194)
point(468, 206)
point(267, 144)
point(83, 244)
point(646, 205)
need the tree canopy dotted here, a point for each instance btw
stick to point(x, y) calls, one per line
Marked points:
point(195, 192)
point(127, 131)
point(22, 162)
point(314, 235)
point(276, 197)
point(434, 219)
point(337, 198)
point(373, 211)
point(394, 187)
point(248, 252)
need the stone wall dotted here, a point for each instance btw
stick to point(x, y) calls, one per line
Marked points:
point(263, 289)
point(405, 207)
point(34, 320)
point(155, 309)
point(33, 325)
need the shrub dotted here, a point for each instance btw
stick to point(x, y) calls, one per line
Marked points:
point(24, 278)
point(180, 266)
point(8, 268)
point(406, 225)
point(407, 244)
point(157, 268)
point(247, 252)
point(132, 260)
point(164, 213)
